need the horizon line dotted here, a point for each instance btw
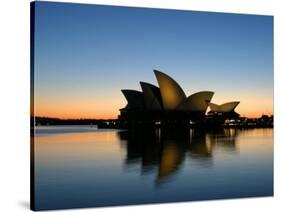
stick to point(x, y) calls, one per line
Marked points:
point(81, 118)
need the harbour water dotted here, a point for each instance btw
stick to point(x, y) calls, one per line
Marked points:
point(82, 166)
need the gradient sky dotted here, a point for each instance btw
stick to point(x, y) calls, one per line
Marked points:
point(85, 54)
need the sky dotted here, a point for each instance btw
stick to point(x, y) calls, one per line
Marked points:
point(85, 54)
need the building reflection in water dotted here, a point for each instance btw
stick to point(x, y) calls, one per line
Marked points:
point(164, 152)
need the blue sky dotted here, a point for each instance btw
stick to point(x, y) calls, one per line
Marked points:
point(87, 52)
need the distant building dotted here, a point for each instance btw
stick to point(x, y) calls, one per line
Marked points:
point(168, 104)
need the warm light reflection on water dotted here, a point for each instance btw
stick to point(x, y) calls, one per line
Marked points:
point(83, 166)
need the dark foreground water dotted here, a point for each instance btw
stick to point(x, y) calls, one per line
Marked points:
point(85, 167)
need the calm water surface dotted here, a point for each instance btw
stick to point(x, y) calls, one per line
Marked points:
point(81, 166)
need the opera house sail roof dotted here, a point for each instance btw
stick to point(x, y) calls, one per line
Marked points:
point(171, 93)
point(134, 99)
point(196, 102)
point(224, 108)
point(152, 96)
point(169, 98)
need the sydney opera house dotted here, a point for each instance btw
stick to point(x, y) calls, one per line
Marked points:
point(168, 104)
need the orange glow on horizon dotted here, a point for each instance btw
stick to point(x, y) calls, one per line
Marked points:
point(68, 114)
point(79, 109)
point(108, 107)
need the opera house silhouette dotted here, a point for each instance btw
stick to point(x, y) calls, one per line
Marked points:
point(169, 105)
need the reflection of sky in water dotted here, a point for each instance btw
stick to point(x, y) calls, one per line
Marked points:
point(96, 168)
